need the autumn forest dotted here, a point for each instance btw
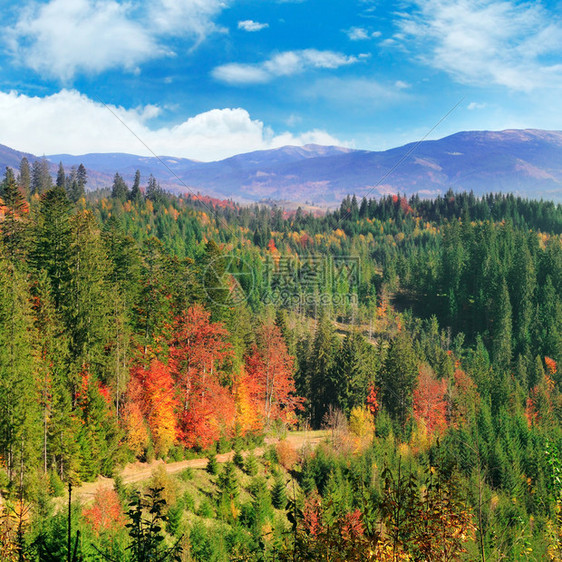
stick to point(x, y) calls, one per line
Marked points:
point(380, 382)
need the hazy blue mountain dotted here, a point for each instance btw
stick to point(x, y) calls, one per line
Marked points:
point(525, 162)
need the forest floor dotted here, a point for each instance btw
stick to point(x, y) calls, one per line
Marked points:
point(138, 472)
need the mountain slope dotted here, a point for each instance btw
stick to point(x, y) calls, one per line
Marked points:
point(525, 162)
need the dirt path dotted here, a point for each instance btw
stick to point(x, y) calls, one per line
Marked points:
point(137, 472)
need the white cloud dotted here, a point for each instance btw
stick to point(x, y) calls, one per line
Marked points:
point(281, 64)
point(251, 25)
point(357, 33)
point(183, 17)
point(69, 122)
point(356, 92)
point(61, 38)
point(475, 105)
point(360, 33)
point(488, 41)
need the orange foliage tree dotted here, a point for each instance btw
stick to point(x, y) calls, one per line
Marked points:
point(154, 392)
point(198, 352)
point(430, 405)
point(106, 513)
point(133, 418)
point(270, 368)
point(247, 415)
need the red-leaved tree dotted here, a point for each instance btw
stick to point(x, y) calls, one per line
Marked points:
point(271, 369)
point(429, 400)
point(198, 352)
point(152, 391)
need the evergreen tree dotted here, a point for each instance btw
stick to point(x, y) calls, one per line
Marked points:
point(41, 180)
point(81, 180)
point(153, 190)
point(14, 227)
point(52, 242)
point(279, 493)
point(75, 184)
point(120, 190)
point(352, 374)
point(135, 194)
point(24, 178)
point(86, 303)
point(19, 411)
point(251, 464)
point(212, 464)
point(502, 328)
point(322, 364)
point(61, 177)
point(398, 379)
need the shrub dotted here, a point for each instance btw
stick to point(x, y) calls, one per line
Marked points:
point(287, 456)
point(186, 475)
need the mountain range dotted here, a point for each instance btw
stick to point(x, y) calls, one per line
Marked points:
point(525, 162)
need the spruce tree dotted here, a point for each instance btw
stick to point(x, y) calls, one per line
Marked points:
point(87, 296)
point(279, 493)
point(52, 242)
point(251, 464)
point(61, 177)
point(352, 374)
point(135, 194)
point(41, 180)
point(322, 365)
point(14, 229)
point(120, 190)
point(502, 328)
point(212, 464)
point(20, 433)
point(81, 179)
point(153, 190)
point(399, 378)
point(24, 178)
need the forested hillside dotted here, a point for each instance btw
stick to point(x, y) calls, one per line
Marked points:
point(425, 334)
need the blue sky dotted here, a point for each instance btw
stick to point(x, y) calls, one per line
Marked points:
point(206, 79)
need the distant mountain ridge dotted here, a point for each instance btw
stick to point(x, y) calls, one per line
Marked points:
point(525, 162)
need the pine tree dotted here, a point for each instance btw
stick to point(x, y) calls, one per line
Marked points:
point(75, 184)
point(322, 364)
point(135, 194)
point(20, 433)
point(51, 346)
point(502, 328)
point(212, 464)
point(14, 226)
point(87, 295)
point(24, 178)
point(229, 487)
point(278, 492)
point(120, 190)
point(352, 373)
point(251, 464)
point(81, 180)
point(238, 458)
point(153, 308)
point(61, 177)
point(398, 379)
point(153, 190)
point(41, 180)
point(52, 241)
